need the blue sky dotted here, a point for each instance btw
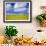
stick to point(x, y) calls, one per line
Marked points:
point(17, 8)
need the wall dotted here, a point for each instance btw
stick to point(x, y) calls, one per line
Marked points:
point(27, 29)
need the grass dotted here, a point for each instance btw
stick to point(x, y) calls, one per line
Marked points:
point(17, 17)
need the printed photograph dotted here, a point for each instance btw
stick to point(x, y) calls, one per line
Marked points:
point(17, 0)
point(17, 11)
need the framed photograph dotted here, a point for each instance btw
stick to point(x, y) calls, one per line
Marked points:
point(17, 0)
point(17, 11)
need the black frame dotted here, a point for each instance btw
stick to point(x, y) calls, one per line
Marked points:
point(16, 21)
point(18, 0)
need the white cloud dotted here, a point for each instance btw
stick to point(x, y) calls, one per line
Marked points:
point(17, 5)
point(8, 6)
point(19, 9)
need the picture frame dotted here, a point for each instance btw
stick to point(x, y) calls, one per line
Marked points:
point(17, 0)
point(22, 12)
